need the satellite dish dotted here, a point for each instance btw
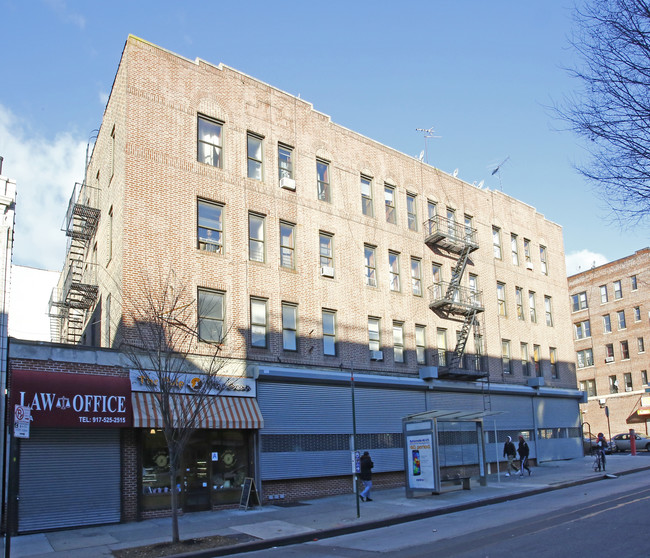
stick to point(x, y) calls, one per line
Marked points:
point(455, 173)
point(480, 184)
point(421, 155)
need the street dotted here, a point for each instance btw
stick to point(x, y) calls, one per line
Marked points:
point(601, 518)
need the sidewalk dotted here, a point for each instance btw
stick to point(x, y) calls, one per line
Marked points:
point(274, 525)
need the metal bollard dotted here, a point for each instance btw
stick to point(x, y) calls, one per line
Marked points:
point(632, 442)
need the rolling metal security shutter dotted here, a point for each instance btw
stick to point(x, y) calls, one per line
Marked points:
point(69, 478)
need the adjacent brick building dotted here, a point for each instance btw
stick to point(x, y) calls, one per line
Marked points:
point(323, 254)
point(610, 307)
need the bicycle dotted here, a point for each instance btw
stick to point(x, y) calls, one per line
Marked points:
point(599, 461)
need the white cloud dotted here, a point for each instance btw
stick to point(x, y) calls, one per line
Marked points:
point(583, 260)
point(61, 9)
point(29, 297)
point(45, 171)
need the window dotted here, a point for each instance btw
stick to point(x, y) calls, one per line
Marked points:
point(211, 313)
point(436, 270)
point(411, 212)
point(591, 388)
point(451, 223)
point(613, 384)
point(254, 155)
point(585, 358)
point(532, 307)
point(416, 276)
point(210, 142)
point(393, 270)
point(107, 321)
point(625, 351)
point(259, 322)
point(621, 319)
point(548, 309)
point(441, 337)
point(289, 327)
point(607, 324)
point(374, 339)
point(110, 234)
point(527, 257)
point(506, 363)
point(287, 246)
point(389, 199)
point(609, 352)
point(255, 237)
point(627, 380)
point(496, 242)
point(112, 154)
point(637, 314)
point(519, 298)
point(644, 377)
point(604, 297)
point(582, 329)
point(640, 344)
point(329, 332)
point(579, 301)
point(366, 196)
point(420, 344)
point(326, 242)
point(618, 290)
point(371, 266)
point(285, 161)
point(633, 284)
point(543, 259)
point(473, 290)
point(210, 227)
point(536, 360)
point(514, 249)
point(398, 341)
point(501, 299)
point(432, 213)
point(552, 352)
point(323, 178)
point(469, 229)
point(525, 363)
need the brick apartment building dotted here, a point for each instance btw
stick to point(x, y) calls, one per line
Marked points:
point(323, 253)
point(610, 307)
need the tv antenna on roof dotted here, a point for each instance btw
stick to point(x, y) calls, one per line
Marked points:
point(428, 133)
point(498, 168)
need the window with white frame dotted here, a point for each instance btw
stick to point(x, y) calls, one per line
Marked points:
point(609, 352)
point(618, 290)
point(473, 290)
point(607, 324)
point(613, 384)
point(532, 306)
point(441, 338)
point(211, 314)
point(393, 271)
point(287, 245)
point(323, 178)
point(548, 308)
point(326, 249)
point(289, 326)
point(582, 329)
point(496, 242)
point(411, 212)
point(374, 337)
point(370, 263)
point(209, 145)
point(501, 299)
point(451, 222)
point(525, 359)
point(506, 362)
point(625, 350)
point(519, 299)
point(585, 358)
point(552, 354)
point(640, 344)
point(254, 156)
point(285, 161)
point(527, 255)
point(644, 377)
point(416, 276)
point(421, 344)
point(259, 322)
point(604, 297)
point(366, 196)
point(514, 249)
point(256, 237)
point(469, 229)
point(536, 360)
point(579, 301)
point(627, 380)
point(543, 259)
point(389, 201)
point(621, 319)
point(432, 213)
point(329, 332)
point(637, 313)
point(633, 283)
point(398, 342)
point(210, 227)
point(110, 234)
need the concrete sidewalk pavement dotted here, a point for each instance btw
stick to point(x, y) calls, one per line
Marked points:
point(273, 525)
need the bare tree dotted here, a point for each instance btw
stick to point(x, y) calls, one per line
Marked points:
point(160, 338)
point(612, 108)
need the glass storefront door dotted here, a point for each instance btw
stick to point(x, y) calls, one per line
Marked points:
point(196, 486)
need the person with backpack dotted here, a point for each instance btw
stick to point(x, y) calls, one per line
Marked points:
point(523, 450)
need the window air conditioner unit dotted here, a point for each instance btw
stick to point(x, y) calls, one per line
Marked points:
point(376, 355)
point(609, 359)
point(529, 265)
point(327, 271)
point(287, 183)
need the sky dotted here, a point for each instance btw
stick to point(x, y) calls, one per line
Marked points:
point(482, 75)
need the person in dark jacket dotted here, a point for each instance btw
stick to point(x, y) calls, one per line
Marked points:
point(601, 446)
point(510, 452)
point(523, 452)
point(365, 475)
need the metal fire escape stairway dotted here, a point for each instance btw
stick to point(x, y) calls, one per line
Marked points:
point(450, 300)
point(69, 305)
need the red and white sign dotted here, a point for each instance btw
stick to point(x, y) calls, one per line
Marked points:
point(22, 418)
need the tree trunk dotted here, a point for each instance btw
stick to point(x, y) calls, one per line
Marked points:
point(175, 498)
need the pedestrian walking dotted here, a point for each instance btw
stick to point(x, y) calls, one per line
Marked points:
point(365, 475)
point(510, 453)
point(523, 450)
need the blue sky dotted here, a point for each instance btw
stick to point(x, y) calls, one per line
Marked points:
point(481, 74)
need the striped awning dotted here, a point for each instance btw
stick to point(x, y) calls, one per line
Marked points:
point(218, 413)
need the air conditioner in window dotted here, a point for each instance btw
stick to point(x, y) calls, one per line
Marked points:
point(529, 265)
point(327, 271)
point(609, 359)
point(376, 355)
point(287, 183)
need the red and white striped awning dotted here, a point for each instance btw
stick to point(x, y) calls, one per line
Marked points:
point(219, 412)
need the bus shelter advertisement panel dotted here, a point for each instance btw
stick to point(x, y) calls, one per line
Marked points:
point(420, 461)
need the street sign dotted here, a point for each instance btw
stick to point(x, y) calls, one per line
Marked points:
point(22, 418)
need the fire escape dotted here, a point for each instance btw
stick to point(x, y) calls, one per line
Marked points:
point(68, 305)
point(451, 300)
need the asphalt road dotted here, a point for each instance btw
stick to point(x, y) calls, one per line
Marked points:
point(605, 518)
